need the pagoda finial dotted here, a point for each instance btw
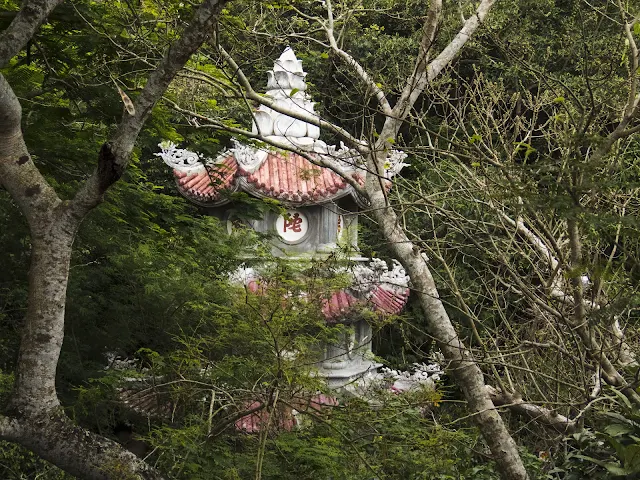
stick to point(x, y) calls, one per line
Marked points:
point(286, 85)
point(288, 62)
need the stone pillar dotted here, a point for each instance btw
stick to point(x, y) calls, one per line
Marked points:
point(347, 360)
point(328, 228)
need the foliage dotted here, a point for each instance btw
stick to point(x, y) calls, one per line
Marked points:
point(18, 463)
point(610, 448)
point(148, 279)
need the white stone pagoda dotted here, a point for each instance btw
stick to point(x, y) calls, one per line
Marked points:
point(322, 211)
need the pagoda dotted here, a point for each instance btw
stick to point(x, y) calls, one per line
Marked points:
point(321, 210)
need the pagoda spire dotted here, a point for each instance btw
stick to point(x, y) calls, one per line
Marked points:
point(287, 87)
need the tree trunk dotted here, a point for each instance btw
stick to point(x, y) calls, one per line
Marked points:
point(461, 364)
point(54, 437)
point(34, 417)
point(35, 389)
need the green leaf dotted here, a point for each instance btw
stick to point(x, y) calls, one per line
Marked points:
point(622, 398)
point(632, 457)
point(617, 429)
point(616, 469)
point(590, 459)
point(636, 28)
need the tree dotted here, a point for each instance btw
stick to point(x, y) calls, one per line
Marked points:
point(574, 122)
point(34, 417)
point(375, 151)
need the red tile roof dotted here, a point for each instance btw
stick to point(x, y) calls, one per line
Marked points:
point(294, 178)
point(208, 183)
point(389, 301)
point(254, 422)
point(285, 417)
point(288, 177)
point(340, 303)
point(386, 301)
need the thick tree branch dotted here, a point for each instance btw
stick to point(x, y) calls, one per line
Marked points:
point(23, 27)
point(18, 174)
point(538, 414)
point(463, 367)
point(351, 62)
point(453, 48)
point(631, 108)
point(416, 83)
point(424, 73)
point(37, 422)
point(55, 438)
point(116, 153)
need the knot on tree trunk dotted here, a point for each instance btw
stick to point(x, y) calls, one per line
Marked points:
point(109, 170)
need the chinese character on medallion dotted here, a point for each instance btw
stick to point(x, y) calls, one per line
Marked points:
point(292, 226)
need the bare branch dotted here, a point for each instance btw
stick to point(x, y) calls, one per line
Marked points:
point(351, 62)
point(632, 100)
point(544, 416)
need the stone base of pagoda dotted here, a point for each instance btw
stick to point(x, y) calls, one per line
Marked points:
point(348, 360)
point(354, 372)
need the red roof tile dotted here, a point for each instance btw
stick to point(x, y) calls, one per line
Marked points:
point(255, 421)
point(341, 302)
point(384, 300)
point(389, 301)
point(208, 183)
point(289, 177)
point(294, 178)
point(285, 417)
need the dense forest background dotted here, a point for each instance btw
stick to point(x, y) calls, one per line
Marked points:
point(526, 210)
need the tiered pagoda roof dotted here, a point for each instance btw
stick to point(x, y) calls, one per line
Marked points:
point(269, 172)
point(374, 286)
point(288, 177)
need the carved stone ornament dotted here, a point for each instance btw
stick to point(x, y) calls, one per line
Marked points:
point(243, 275)
point(287, 88)
point(367, 277)
point(394, 163)
point(396, 278)
point(347, 158)
point(179, 159)
point(248, 158)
